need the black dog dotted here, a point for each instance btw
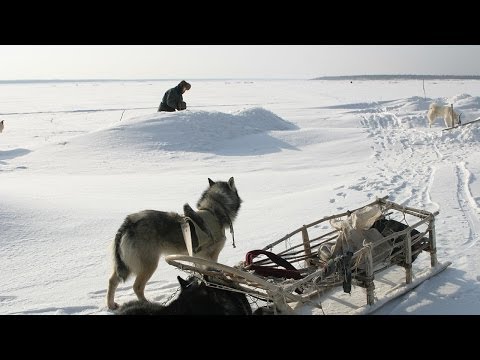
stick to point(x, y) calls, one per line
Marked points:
point(195, 298)
point(388, 227)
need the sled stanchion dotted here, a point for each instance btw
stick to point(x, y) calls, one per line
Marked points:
point(408, 258)
point(306, 245)
point(370, 285)
point(433, 244)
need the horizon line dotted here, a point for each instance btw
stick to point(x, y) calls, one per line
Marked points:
point(147, 79)
point(326, 77)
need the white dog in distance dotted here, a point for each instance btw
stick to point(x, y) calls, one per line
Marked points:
point(436, 110)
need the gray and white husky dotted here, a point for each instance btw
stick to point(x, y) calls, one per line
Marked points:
point(146, 235)
point(2, 126)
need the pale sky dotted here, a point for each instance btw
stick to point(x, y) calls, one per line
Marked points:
point(232, 61)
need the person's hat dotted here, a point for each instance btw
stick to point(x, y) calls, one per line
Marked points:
point(184, 83)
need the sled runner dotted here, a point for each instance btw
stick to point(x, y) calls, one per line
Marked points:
point(337, 251)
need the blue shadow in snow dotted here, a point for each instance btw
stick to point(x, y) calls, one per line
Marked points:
point(11, 154)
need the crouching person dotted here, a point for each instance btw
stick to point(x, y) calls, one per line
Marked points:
point(173, 99)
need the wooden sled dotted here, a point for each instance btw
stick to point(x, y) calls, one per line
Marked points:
point(315, 274)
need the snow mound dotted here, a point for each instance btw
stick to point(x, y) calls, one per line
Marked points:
point(463, 134)
point(149, 139)
point(463, 99)
point(195, 131)
point(460, 101)
point(411, 104)
point(409, 113)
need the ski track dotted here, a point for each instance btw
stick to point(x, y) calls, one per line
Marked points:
point(466, 201)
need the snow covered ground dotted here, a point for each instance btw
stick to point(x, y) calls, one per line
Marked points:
point(76, 158)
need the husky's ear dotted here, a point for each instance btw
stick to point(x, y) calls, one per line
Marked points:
point(211, 182)
point(183, 283)
point(231, 183)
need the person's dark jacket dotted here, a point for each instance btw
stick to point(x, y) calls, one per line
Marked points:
point(173, 100)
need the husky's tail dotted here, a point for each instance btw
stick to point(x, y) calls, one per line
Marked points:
point(121, 268)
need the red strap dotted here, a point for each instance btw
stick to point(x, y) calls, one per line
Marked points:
point(290, 272)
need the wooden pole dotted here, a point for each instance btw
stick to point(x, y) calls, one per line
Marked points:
point(408, 258)
point(433, 244)
point(306, 245)
point(369, 274)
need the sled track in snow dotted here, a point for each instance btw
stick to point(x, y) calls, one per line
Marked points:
point(428, 191)
point(466, 203)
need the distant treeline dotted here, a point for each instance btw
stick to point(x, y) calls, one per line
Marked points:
point(400, 77)
point(72, 81)
point(41, 81)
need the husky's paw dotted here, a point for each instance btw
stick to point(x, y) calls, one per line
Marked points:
point(113, 306)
